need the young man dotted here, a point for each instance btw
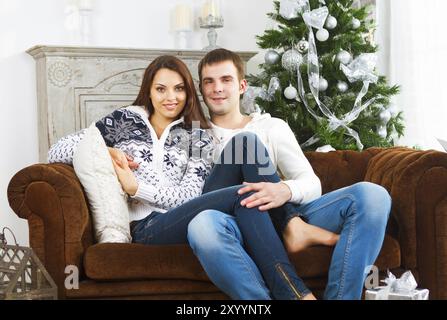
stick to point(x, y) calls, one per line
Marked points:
point(358, 213)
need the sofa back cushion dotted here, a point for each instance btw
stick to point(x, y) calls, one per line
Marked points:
point(338, 169)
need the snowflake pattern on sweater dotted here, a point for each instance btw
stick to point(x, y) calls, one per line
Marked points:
point(171, 171)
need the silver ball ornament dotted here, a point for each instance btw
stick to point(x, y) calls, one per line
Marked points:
point(385, 116)
point(355, 23)
point(289, 10)
point(291, 59)
point(271, 57)
point(381, 131)
point(290, 92)
point(342, 86)
point(322, 35)
point(323, 84)
point(344, 57)
point(331, 22)
point(303, 46)
point(393, 110)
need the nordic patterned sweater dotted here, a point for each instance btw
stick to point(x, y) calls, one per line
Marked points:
point(172, 169)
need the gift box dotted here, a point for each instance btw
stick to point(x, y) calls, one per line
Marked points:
point(403, 288)
point(412, 295)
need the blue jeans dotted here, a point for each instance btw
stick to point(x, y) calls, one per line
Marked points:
point(359, 213)
point(245, 158)
point(261, 241)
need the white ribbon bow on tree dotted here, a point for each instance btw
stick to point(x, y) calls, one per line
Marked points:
point(316, 18)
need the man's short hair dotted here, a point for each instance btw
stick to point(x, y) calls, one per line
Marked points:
point(221, 55)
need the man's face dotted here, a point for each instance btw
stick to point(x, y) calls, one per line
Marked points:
point(221, 88)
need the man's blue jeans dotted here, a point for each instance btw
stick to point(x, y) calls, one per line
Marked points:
point(268, 255)
point(359, 213)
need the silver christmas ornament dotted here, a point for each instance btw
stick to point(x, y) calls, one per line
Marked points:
point(290, 9)
point(303, 46)
point(291, 59)
point(381, 131)
point(290, 92)
point(344, 57)
point(325, 148)
point(342, 86)
point(393, 110)
point(331, 23)
point(322, 35)
point(323, 84)
point(271, 57)
point(385, 116)
point(355, 23)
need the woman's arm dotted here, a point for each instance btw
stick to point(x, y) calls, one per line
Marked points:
point(190, 187)
point(64, 149)
point(170, 197)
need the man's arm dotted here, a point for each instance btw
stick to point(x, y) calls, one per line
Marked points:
point(294, 166)
point(301, 185)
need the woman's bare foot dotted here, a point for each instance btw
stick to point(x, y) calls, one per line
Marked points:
point(299, 235)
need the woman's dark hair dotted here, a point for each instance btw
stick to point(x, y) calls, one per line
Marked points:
point(193, 110)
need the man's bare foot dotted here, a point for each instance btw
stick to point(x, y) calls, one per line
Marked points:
point(309, 296)
point(299, 235)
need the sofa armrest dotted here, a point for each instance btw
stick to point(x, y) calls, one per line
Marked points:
point(51, 198)
point(417, 182)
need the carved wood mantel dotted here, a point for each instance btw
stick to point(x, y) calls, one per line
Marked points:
point(79, 85)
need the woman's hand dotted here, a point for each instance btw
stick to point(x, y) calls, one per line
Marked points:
point(126, 177)
point(121, 158)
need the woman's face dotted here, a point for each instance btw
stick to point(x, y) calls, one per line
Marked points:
point(168, 95)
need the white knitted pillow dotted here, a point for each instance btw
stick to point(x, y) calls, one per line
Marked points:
point(108, 202)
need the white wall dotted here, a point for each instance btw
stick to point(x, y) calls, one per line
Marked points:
point(411, 35)
point(382, 36)
point(117, 23)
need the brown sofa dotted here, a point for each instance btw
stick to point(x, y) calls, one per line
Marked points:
point(51, 198)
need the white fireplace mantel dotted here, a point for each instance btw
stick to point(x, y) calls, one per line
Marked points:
point(79, 85)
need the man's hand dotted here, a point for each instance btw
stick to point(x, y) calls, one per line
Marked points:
point(120, 158)
point(267, 195)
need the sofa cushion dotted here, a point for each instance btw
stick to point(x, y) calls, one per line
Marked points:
point(130, 261)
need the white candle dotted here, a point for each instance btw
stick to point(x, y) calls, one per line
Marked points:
point(211, 7)
point(85, 4)
point(183, 18)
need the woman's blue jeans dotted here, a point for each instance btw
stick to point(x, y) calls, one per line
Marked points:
point(260, 238)
point(359, 213)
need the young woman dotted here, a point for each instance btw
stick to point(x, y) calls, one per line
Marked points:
point(162, 159)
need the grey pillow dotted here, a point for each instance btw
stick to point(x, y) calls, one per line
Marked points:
point(108, 202)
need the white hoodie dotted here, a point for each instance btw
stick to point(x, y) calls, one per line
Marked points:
point(284, 151)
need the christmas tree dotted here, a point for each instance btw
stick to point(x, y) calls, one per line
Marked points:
point(320, 76)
